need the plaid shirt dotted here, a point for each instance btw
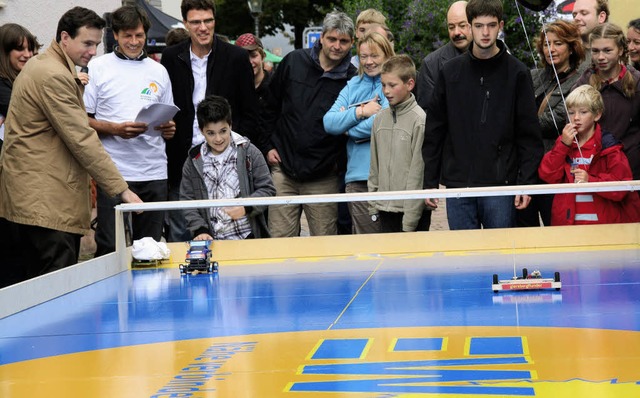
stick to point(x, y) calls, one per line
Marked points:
point(221, 179)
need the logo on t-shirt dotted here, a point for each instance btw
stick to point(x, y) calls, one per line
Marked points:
point(149, 93)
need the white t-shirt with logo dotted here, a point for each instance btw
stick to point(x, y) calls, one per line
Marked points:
point(116, 92)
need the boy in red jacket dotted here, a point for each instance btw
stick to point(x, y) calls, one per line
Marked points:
point(584, 153)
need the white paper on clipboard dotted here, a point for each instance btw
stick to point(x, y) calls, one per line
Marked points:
point(156, 114)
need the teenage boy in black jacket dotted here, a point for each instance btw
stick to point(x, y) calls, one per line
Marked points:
point(496, 139)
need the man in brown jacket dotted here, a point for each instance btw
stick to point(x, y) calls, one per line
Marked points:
point(49, 153)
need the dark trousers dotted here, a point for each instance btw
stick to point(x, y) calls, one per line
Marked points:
point(539, 209)
point(31, 251)
point(148, 223)
point(392, 222)
point(175, 228)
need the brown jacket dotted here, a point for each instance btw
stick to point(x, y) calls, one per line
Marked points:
point(50, 150)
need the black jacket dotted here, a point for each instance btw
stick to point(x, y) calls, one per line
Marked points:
point(428, 73)
point(229, 74)
point(5, 95)
point(482, 126)
point(300, 93)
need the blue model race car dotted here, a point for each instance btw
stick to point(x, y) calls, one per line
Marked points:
point(198, 258)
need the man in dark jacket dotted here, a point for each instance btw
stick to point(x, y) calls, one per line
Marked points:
point(198, 67)
point(498, 141)
point(303, 157)
point(459, 41)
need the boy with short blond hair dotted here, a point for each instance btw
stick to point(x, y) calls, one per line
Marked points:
point(365, 21)
point(584, 153)
point(396, 144)
point(366, 18)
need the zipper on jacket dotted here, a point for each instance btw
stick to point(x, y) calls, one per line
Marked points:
point(485, 106)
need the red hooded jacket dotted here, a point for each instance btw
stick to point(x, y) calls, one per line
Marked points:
point(608, 164)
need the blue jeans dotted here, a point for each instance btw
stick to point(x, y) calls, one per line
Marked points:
point(487, 212)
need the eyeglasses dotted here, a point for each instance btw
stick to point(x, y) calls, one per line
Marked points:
point(197, 22)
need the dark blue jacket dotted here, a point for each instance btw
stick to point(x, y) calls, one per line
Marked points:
point(300, 93)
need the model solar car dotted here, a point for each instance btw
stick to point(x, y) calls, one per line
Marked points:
point(198, 258)
point(533, 281)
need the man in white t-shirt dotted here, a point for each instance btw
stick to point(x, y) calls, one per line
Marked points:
point(120, 84)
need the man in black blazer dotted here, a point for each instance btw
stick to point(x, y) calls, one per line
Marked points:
point(198, 67)
point(460, 38)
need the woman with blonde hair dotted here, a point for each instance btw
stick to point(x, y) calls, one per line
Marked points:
point(619, 86)
point(633, 41)
point(352, 114)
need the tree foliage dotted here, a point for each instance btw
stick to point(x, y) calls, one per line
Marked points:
point(520, 36)
point(234, 17)
point(420, 26)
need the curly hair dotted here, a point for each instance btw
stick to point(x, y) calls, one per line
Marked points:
point(568, 33)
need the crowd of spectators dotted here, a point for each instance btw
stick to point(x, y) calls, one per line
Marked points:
point(322, 122)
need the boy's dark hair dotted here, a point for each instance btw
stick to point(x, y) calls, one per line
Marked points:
point(213, 109)
point(479, 8)
point(402, 65)
point(129, 17)
point(188, 5)
point(76, 18)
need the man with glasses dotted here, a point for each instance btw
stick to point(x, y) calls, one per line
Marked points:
point(202, 66)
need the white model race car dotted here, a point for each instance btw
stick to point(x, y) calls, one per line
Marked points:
point(533, 281)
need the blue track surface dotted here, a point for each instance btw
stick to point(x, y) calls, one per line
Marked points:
point(601, 290)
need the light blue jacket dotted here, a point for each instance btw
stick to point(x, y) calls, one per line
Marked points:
point(341, 119)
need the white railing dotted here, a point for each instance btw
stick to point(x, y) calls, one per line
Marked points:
point(365, 196)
